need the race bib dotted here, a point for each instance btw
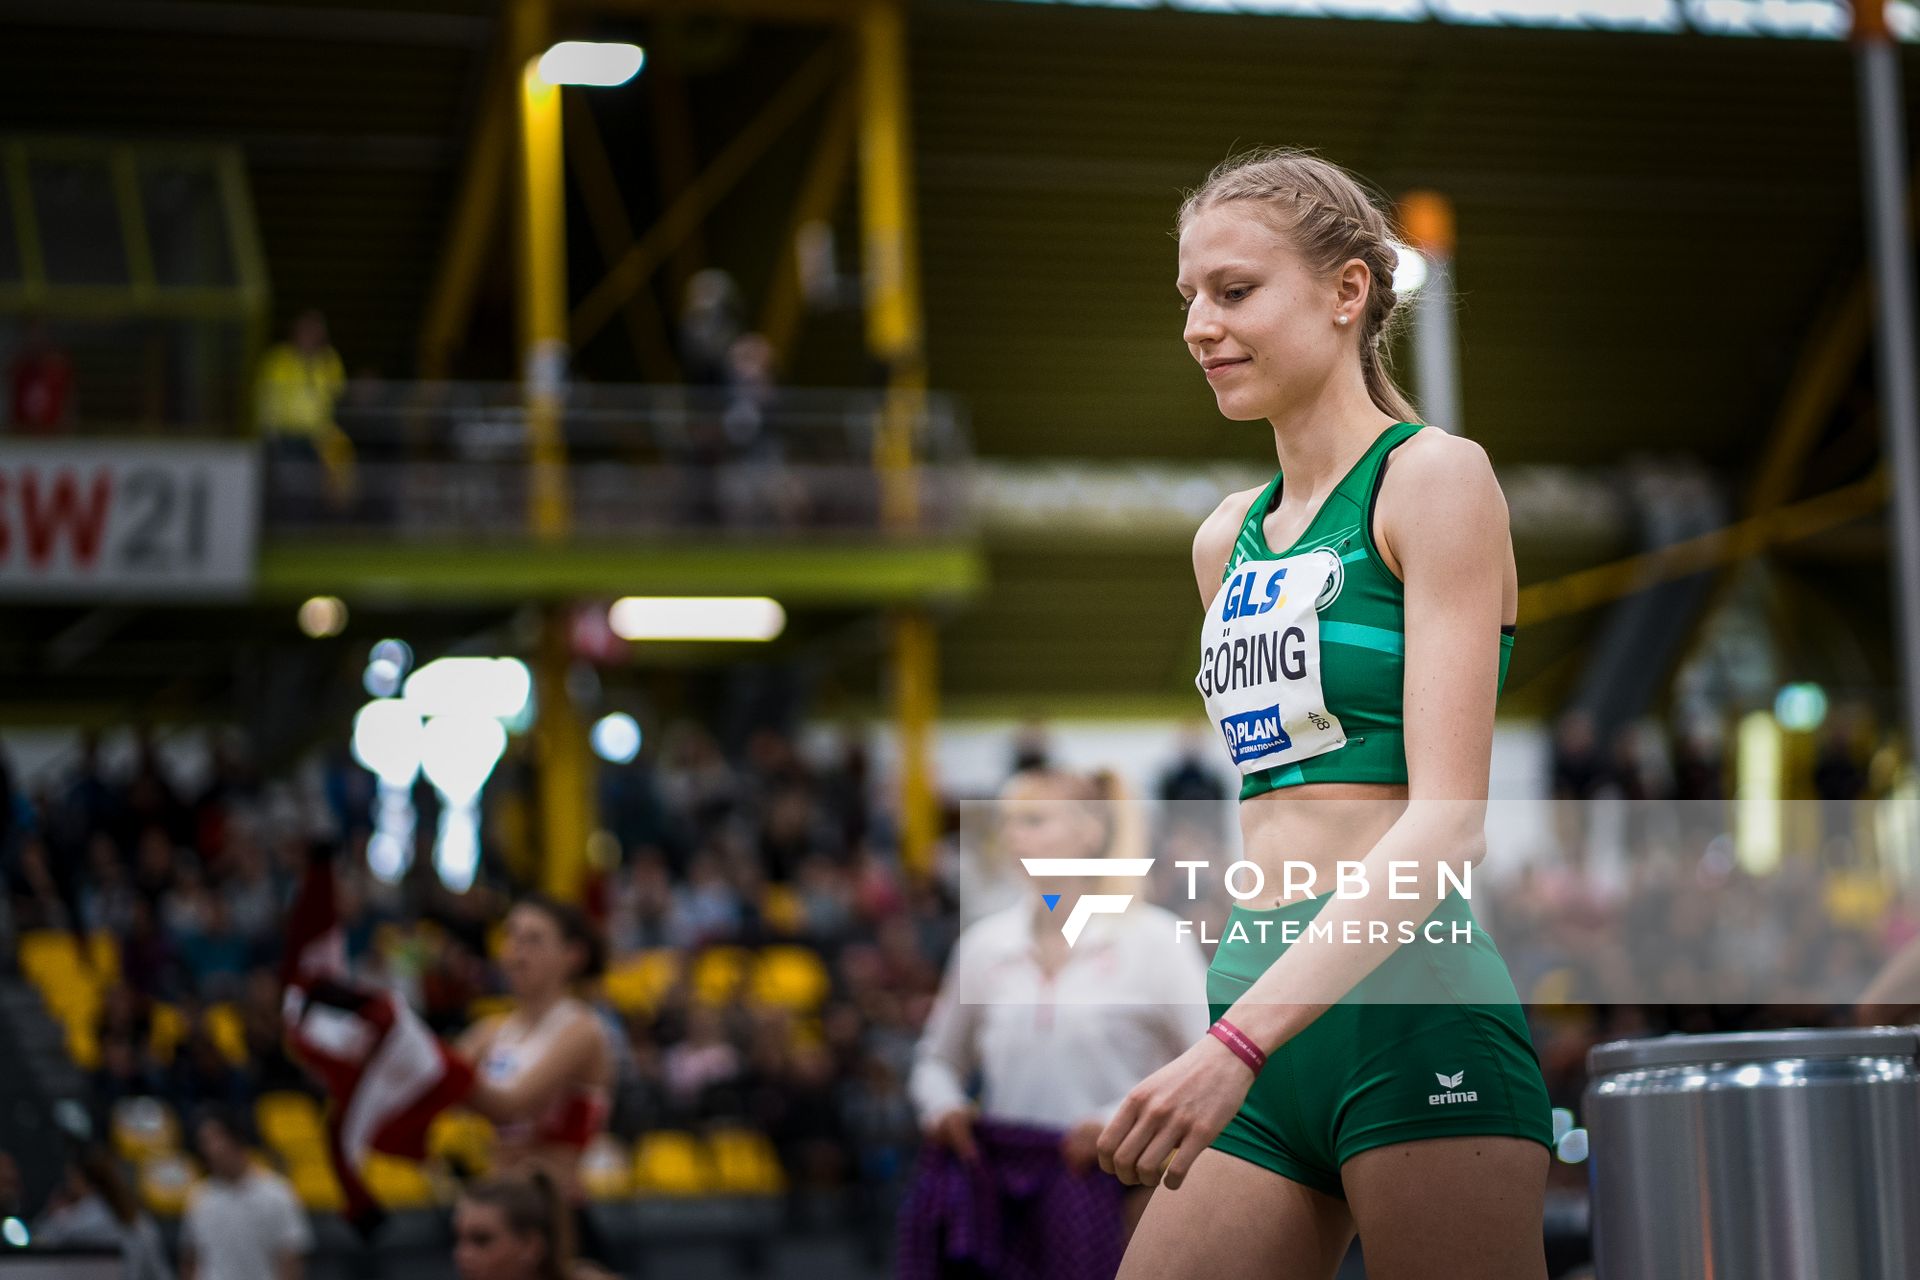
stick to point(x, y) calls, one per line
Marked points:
point(1260, 662)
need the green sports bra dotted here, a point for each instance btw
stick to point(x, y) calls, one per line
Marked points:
point(1363, 629)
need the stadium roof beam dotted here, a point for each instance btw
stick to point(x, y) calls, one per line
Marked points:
point(370, 25)
point(637, 265)
point(475, 222)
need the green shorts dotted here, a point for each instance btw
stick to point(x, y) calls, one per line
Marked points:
point(1431, 1044)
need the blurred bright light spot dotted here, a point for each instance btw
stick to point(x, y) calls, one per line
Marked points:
point(456, 853)
point(387, 741)
point(1800, 708)
point(1757, 792)
point(390, 853)
point(458, 751)
point(591, 62)
point(697, 618)
point(323, 616)
point(381, 679)
point(15, 1232)
point(616, 738)
point(1562, 1123)
point(398, 652)
point(494, 687)
point(1572, 1146)
point(1409, 269)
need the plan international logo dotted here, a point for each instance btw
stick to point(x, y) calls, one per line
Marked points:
point(1088, 905)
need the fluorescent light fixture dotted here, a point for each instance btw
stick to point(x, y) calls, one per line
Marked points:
point(590, 62)
point(496, 687)
point(323, 616)
point(616, 738)
point(697, 618)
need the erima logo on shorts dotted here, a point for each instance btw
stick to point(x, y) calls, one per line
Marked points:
point(1088, 905)
point(1453, 1092)
point(1255, 733)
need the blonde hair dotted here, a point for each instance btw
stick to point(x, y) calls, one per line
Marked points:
point(1329, 218)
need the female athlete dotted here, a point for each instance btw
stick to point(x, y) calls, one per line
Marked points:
point(544, 1071)
point(1359, 615)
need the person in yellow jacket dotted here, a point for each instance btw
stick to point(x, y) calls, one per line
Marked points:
point(294, 393)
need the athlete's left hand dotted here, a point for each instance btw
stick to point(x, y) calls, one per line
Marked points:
point(1173, 1115)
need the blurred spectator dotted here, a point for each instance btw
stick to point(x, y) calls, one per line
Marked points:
point(709, 323)
point(242, 1222)
point(202, 1076)
point(298, 382)
point(95, 1208)
point(1189, 777)
point(39, 384)
point(1578, 768)
point(704, 1062)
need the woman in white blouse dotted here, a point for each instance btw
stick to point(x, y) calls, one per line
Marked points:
point(1057, 1034)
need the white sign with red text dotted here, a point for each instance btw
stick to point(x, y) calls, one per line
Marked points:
point(111, 519)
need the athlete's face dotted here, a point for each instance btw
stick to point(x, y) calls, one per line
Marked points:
point(1259, 324)
point(535, 955)
point(485, 1246)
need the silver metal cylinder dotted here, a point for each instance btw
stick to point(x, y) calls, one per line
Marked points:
point(1784, 1155)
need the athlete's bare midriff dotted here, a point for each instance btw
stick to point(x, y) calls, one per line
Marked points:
point(1319, 824)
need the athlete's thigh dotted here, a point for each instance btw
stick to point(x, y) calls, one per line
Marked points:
point(1459, 1208)
point(1231, 1220)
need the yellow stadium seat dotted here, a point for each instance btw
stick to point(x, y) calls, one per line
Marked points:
point(103, 953)
point(717, 973)
point(228, 1032)
point(143, 1128)
point(166, 1029)
point(637, 983)
point(606, 1169)
point(462, 1137)
point(44, 953)
point(314, 1183)
point(744, 1163)
point(83, 1045)
point(164, 1182)
point(292, 1124)
point(397, 1183)
point(792, 978)
point(671, 1162)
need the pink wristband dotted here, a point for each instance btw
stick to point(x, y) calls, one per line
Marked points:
point(1237, 1040)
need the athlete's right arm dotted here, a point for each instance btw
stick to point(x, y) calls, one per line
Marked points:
point(943, 1059)
point(473, 1045)
point(1213, 544)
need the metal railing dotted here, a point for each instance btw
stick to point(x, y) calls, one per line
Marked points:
point(450, 461)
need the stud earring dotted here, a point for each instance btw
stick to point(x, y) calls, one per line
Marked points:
point(1340, 319)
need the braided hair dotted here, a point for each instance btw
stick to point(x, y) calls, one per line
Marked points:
point(1329, 218)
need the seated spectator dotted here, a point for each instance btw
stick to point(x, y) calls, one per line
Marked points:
point(640, 919)
point(705, 909)
point(125, 1071)
point(243, 1222)
point(148, 958)
point(39, 384)
point(203, 1077)
point(254, 904)
point(106, 898)
point(95, 1208)
point(704, 1061)
point(217, 957)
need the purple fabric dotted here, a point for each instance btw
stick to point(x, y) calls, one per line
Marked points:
point(1017, 1214)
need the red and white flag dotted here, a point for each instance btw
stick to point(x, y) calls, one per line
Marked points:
point(386, 1075)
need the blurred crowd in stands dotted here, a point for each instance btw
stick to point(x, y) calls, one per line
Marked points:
point(771, 964)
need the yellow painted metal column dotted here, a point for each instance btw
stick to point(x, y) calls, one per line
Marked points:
point(563, 764)
point(894, 335)
point(543, 300)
